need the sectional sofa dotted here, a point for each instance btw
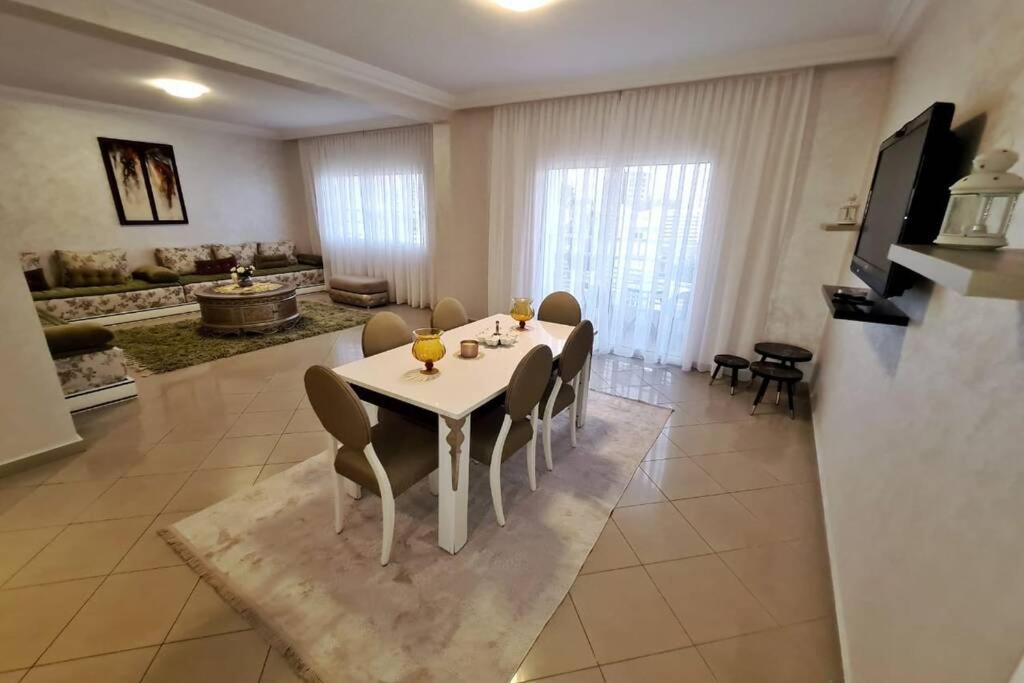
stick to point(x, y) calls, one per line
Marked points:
point(99, 286)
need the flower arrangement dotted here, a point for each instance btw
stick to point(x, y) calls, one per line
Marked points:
point(243, 275)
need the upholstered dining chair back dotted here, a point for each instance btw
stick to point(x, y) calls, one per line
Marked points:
point(336, 405)
point(574, 354)
point(448, 314)
point(560, 307)
point(528, 382)
point(383, 332)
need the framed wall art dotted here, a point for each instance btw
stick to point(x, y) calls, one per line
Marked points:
point(144, 182)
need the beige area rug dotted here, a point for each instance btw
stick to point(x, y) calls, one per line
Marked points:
point(327, 605)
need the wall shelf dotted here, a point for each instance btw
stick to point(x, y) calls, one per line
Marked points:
point(882, 311)
point(993, 274)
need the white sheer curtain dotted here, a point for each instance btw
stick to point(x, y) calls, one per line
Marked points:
point(372, 200)
point(664, 210)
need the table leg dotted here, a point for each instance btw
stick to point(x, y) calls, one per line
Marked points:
point(584, 393)
point(453, 482)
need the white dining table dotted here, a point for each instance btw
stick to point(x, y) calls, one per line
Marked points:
point(460, 387)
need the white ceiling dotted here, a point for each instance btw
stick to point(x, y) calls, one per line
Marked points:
point(308, 67)
point(464, 46)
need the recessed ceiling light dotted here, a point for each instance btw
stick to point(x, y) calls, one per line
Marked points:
point(522, 5)
point(178, 88)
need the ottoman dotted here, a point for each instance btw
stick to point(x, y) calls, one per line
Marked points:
point(358, 290)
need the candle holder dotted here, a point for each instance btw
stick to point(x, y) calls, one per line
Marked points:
point(522, 310)
point(428, 348)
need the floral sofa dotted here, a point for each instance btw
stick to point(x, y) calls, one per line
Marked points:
point(91, 369)
point(99, 284)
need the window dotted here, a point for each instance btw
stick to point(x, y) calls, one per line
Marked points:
point(626, 241)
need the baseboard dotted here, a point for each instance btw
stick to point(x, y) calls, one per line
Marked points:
point(77, 445)
point(164, 311)
point(102, 396)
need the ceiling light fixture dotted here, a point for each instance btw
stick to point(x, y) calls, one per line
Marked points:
point(178, 88)
point(522, 5)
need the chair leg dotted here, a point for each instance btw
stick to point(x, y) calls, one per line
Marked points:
point(714, 374)
point(531, 452)
point(339, 508)
point(499, 512)
point(572, 424)
point(433, 481)
point(789, 394)
point(548, 417)
point(760, 394)
point(387, 503)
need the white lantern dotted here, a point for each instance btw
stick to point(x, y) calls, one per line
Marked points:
point(981, 204)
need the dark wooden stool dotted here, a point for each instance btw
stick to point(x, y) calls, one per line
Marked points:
point(786, 354)
point(735, 363)
point(775, 372)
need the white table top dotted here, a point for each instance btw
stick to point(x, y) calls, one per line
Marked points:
point(461, 386)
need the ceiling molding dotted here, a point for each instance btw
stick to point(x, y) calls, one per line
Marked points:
point(12, 94)
point(346, 127)
point(200, 30)
point(854, 49)
point(901, 19)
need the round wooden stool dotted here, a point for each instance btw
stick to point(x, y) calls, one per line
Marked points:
point(775, 372)
point(735, 363)
point(788, 354)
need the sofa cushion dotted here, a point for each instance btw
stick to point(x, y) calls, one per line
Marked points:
point(265, 261)
point(36, 280)
point(77, 337)
point(182, 260)
point(284, 247)
point(196, 278)
point(155, 274)
point(310, 259)
point(94, 277)
point(30, 261)
point(217, 266)
point(244, 253)
point(359, 284)
point(71, 262)
point(74, 292)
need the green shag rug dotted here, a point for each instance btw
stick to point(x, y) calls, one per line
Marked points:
point(172, 346)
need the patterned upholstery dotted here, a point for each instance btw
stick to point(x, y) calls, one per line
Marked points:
point(73, 262)
point(182, 260)
point(282, 248)
point(244, 253)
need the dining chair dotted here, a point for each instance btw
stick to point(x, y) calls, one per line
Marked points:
point(564, 387)
point(499, 432)
point(560, 307)
point(387, 460)
point(448, 314)
point(383, 332)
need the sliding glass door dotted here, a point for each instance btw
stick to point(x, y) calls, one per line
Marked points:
point(625, 240)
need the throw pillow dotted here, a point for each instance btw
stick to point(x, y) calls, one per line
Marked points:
point(94, 277)
point(155, 274)
point(103, 260)
point(310, 260)
point(30, 261)
point(182, 260)
point(216, 266)
point(36, 280)
point(244, 253)
point(284, 247)
point(275, 261)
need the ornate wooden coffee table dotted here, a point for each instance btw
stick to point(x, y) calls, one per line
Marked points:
point(229, 310)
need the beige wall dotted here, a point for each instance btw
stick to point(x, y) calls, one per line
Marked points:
point(847, 106)
point(461, 264)
point(33, 417)
point(919, 430)
point(54, 191)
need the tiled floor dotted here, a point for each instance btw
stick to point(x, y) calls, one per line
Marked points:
point(712, 568)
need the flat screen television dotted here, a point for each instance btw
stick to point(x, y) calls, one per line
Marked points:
point(908, 198)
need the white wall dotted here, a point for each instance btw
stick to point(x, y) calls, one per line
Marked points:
point(847, 106)
point(920, 431)
point(54, 192)
point(33, 415)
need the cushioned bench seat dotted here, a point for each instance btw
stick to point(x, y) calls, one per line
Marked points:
point(297, 268)
point(358, 290)
point(84, 355)
point(77, 303)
